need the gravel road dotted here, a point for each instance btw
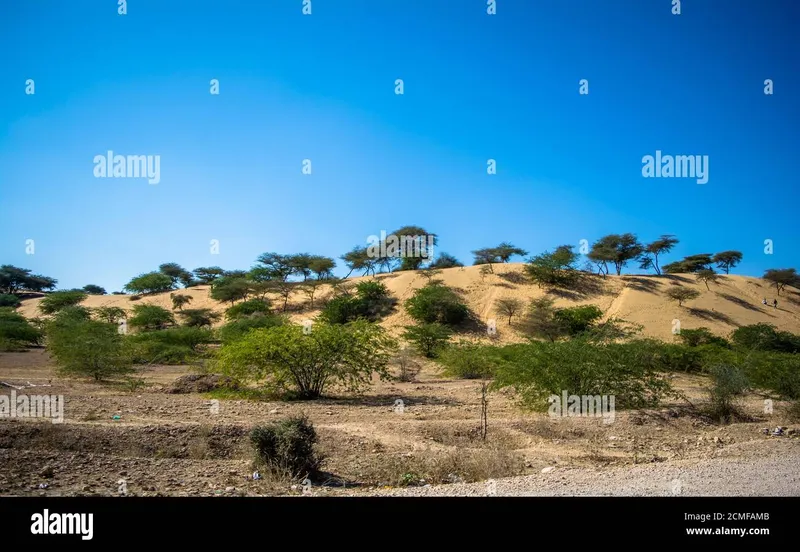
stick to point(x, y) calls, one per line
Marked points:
point(758, 468)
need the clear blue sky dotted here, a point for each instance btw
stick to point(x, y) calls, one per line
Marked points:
point(321, 87)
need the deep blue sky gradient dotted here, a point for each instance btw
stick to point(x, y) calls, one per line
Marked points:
point(322, 87)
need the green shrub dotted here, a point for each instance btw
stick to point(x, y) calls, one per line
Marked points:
point(151, 317)
point(58, 300)
point(428, 339)
point(87, 347)
point(577, 320)
point(469, 361)
point(629, 371)
point(287, 448)
point(371, 301)
point(7, 300)
point(171, 346)
point(199, 318)
point(728, 384)
point(16, 332)
point(246, 308)
point(765, 337)
point(701, 336)
point(240, 327)
point(288, 358)
point(437, 303)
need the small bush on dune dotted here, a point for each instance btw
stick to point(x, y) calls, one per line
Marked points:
point(371, 301)
point(437, 303)
point(246, 308)
point(59, 300)
point(287, 448)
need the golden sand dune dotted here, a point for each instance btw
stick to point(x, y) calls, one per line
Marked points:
point(731, 302)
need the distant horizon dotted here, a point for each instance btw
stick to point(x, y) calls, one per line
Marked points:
point(269, 130)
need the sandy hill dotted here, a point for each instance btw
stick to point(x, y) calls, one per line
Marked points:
point(732, 302)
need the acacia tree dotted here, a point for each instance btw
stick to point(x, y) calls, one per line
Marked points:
point(110, 315)
point(727, 260)
point(358, 259)
point(782, 277)
point(418, 240)
point(707, 276)
point(179, 300)
point(92, 289)
point(692, 263)
point(207, 274)
point(177, 273)
point(553, 269)
point(288, 358)
point(508, 307)
point(651, 251)
point(14, 280)
point(681, 294)
point(505, 251)
point(618, 249)
point(445, 260)
point(486, 256)
point(151, 282)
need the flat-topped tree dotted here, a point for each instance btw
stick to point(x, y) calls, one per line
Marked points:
point(14, 280)
point(151, 282)
point(727, 260)
point(207, 274)
point(618, 249)
point(782, 277)
point(485, 256)
point(179, 300)
point(358, 259)
point(446, 260)
point(177, 273)
point(681, 294)
point(92, 289)
point(707, 276)
point(415, 246)
point(651, 251)
point(321, 266)
point(505, 251)
point(553, 269)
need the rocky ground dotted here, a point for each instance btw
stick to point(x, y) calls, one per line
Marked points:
point(152, 441)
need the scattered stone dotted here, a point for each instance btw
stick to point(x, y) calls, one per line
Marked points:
point(47, 472)
point(230, 489)
point(548, 469)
